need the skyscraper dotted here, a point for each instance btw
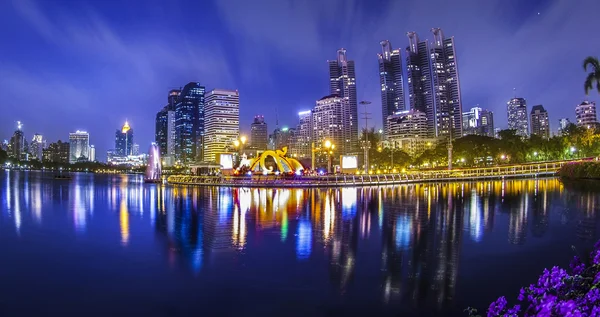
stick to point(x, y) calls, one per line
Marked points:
point(407, 130)
point(222, 122)
point(259, 135)
point(124, 140)
point(516, 109)
point(327, 121)
point(342, 82)
point(58, 152)
point(165, 135)
point(189, 123)
point(79, 145)
point(390, 79)
point(446, 85)
point(303, 138)
point(17, 144)
point(478, 121)
point(92, 153)
point(540, 125)
point(418, 76)
point(586, 114)
point(36, 147)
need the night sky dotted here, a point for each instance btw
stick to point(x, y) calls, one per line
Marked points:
point(89, 65)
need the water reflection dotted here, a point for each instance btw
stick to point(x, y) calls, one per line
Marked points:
point(417, 234)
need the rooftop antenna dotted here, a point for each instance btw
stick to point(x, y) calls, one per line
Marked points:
point(515, 92)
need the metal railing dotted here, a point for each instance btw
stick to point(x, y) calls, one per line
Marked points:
point(539, 169)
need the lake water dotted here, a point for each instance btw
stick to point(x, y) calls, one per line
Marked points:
point(101, 245)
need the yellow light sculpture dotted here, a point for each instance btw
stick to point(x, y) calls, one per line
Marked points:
point(284, 164)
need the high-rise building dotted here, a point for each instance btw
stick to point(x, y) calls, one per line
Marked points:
point(135, 150)
point(328, 121)
point(124, 140)
point(446, 85)
point(165, 135)
point(281, 138)
point(478, 121)
point(189, 123)
point(586, 114)
point(342, 82)
point(540, 124)
point(36, 147)
point(259, 135)
point(79, 146)
point(222, 121)
point(418, 76)
point(517, 116)
point(92, 153)
point(58, 152)
point(563, 123)
point(17, 148)
point(408, 131)
point(390, 79)
point(302, 139)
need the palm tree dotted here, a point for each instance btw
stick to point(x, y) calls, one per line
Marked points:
point(594, 76)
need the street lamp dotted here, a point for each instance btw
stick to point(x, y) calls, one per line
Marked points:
point(329, 147)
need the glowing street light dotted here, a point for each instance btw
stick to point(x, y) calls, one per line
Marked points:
point(330, 147)
point(503, 157)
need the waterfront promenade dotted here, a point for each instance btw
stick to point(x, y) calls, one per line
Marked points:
point(345, 180)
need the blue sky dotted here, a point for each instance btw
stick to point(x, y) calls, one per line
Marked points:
point(68, 65)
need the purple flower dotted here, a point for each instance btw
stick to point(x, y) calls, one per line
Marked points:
point(513, 312)
point(577, 266)
point(497, 307)
point(595, 312)
point(596, 257)
point(597, 278)
point(521, 294)
point(567, 308)
point(593, 296)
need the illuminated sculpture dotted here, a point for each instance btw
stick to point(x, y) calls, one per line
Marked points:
point(284, 164)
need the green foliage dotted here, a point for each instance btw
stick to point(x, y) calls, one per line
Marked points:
point(586, 170)
point(3, 156)
point(594, 76)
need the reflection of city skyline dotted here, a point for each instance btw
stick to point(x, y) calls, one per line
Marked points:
point(420, 228)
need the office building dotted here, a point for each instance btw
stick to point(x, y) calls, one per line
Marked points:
point(79, 145)
point(17, 146)
point(36, 147)
point(165, 135)
point(585, 114)
point(408, 131)
point(281, 138)
point(478, 121)
point(222, 122)
point(342, 83)
point(124, 140)
point(418, 77)
point(302, 139)
point(135, 149)
point(390, 80)
point(92, 153)
point(328, 121)
point(57, 152)
point(516, 109)
point(540, 124)
point(189, 123)
point(563, 123)
point(259, 135)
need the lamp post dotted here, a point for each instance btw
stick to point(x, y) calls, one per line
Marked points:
point(366, 145)
point(329, 147)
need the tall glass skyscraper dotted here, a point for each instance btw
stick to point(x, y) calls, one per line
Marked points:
point(165, 134)
point(342, 82)
point(79, 143)
point(36, 147)
point(222, 121)
point(418, 76)
point(124, 140)
point(390, 78)
point(189, 123)
point(516, 109)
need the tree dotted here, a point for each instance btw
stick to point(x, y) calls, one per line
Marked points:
point(3, 156)
point(594, 76)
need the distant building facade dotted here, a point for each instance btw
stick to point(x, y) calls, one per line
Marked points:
point(222, 122)
point(517, 116)
point(302, 140)
point(79, 143)
point(563, 123)
point(189, 123)
point(36, 147)
point(259, 133)
point(478, 121)
point(540, 124)
point(165, 135)
point(328, 122)
point(124, 140)
point(57, 152)
point(585, 114)
point(17, 148)
point(342, 83)
point(408, 131)
point(391, 81)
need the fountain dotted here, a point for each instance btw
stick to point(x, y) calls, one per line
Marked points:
point(153, 170)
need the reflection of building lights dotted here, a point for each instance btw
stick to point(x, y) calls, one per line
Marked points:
point(348, 203)
point(329, 218)
point(475, 217)
point(124, 222)
point(304, 241)
point(403, 230)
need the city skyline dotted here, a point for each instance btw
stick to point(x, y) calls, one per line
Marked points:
point(106, 102)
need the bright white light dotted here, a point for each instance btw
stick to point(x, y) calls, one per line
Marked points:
point(298, 172)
